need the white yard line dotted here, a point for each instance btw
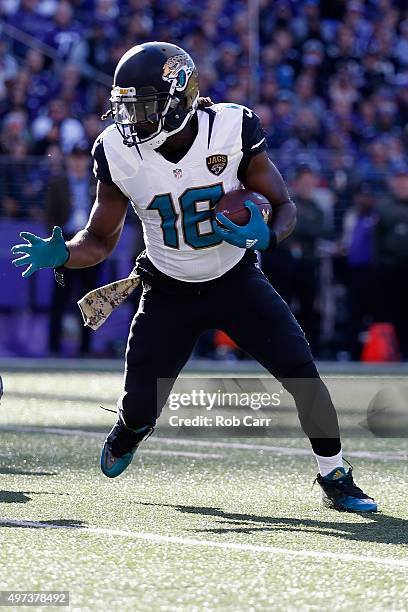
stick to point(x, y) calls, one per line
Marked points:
point(281, 450)
point(157, 538)
point(276, 450)
point(151, 451)
point(59, 431)
point(96, 434)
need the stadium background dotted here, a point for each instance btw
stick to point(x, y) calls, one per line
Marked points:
point(329, 80)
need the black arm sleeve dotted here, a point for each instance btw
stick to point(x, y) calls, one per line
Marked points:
point(253, 140)
point(101, 167)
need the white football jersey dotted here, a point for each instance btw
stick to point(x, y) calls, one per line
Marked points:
point(174, 201)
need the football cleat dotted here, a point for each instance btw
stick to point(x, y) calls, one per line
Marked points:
point(120, 446)
point(341, 492)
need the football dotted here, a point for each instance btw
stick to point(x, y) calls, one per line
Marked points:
point(232, 206)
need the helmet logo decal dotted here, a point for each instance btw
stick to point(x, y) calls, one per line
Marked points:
point(177, 70)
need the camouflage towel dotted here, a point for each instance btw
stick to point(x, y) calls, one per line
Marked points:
point(97, 305)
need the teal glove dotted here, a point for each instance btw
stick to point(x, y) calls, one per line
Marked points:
point(255, 235)
point(41, 253)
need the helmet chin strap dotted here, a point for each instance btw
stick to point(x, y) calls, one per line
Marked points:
point(160, 139)
point(157, 141)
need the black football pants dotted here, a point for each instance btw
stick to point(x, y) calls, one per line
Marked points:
point(171, 316)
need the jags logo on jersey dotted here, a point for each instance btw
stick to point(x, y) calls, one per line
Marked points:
point(178, 68)
point(217, 163)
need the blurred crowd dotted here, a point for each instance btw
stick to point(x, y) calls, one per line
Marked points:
point(331, 88)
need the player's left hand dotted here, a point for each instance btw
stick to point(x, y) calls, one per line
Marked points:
point(255, 235)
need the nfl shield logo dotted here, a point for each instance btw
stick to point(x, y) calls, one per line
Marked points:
point(178, 173)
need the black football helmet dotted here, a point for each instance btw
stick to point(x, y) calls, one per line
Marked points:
point(154, 94)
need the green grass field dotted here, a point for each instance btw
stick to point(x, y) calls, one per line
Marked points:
point(192, 525)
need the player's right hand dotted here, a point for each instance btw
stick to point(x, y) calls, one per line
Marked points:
point(255, 235)
point(41, 252)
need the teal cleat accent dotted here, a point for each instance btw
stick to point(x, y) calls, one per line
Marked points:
point(341, 493)
point(113, 466)
point(120, 446)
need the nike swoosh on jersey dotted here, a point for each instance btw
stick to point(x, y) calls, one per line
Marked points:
point(258, 143)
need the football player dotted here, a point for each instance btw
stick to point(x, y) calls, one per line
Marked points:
point(174, 158)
